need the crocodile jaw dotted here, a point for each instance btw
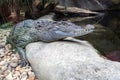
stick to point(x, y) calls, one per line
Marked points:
point(59, 34)
point(88, 29)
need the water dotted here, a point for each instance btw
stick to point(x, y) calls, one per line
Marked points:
point(106, 38)
point(112, 21)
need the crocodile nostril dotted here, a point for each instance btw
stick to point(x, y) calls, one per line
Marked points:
point(85, 29)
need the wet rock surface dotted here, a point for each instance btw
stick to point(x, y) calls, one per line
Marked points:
point(70, 60)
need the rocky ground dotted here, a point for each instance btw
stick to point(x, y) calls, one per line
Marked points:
point(9, 62)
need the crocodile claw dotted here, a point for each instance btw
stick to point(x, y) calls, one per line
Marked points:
point(24, 63)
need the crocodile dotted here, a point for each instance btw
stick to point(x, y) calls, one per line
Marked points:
point(45, 30)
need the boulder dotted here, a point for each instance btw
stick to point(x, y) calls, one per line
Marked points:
point(70, 59)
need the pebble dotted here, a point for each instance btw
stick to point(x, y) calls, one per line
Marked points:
point(23, 76)
point(18, 68)
point(9, 77)
point(1, 46)
point(2, 54)
point(1, 77)
point(4, 63)
point(14, 59)
point(3, 69)
point(7, 72)
point(31, 75)
point(12, 64)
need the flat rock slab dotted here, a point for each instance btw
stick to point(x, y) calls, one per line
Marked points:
point(70, 60)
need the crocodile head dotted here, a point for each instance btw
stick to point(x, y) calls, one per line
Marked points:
point(87, 29)
point(74, 31)
point(82, 31)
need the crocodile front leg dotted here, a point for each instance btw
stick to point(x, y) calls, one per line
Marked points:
point(22, 53)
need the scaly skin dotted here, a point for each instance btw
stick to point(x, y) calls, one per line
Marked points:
point(45, 30)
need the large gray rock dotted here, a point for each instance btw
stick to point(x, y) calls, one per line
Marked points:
point(70, 60)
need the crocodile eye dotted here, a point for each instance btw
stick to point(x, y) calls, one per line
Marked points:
point(86, 29)
point(38, 22)
point(39, 26)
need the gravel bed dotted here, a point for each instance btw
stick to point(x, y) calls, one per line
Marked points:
point(9, 62)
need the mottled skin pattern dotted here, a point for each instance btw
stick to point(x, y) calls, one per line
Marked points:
point(45, 30)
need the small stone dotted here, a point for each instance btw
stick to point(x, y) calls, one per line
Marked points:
point(9, 68)
point(9, 77)
point(1, 46)
point(12, 64)
point(7, 58)
point(31, 75)
point(8, 47)
point(1, 77)
point(14, 59)
point(6, 72)
point(17, 55)
point(3, 69)
point(31, 78)
point(16, 75)
point(4, 63)
point(3, 66)
point(13, 55)
point(2, 54)
point(16, 78)
point(9, 53)
point(18, 68)
point(114, 55)
point(23, 76)
point(25, 69)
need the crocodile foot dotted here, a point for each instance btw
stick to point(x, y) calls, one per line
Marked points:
point(24, 63)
